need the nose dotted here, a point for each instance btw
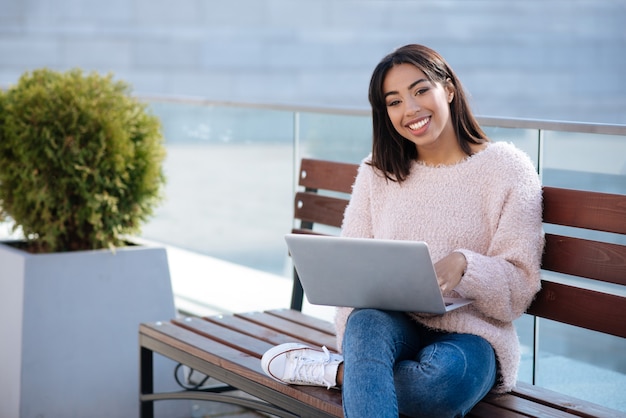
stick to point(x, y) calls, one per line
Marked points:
point(412, 106)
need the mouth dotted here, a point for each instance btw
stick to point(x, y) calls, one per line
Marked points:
point(417, 125)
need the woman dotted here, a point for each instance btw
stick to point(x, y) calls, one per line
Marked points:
point(432, 176)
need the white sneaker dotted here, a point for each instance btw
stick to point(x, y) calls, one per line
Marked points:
point(298, 364)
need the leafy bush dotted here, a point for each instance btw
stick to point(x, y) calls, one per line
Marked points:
point(80, 160)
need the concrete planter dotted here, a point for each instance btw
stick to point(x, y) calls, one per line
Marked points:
point(68, 329)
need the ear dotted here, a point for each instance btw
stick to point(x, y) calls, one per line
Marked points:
point(449, 87)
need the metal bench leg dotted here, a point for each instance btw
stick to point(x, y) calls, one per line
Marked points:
point(146, 382)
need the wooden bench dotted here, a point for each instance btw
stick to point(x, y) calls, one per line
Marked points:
point(229, 347)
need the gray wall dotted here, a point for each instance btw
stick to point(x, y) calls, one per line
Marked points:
point(548, 59)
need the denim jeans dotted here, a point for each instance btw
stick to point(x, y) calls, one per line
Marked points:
point(394, 365)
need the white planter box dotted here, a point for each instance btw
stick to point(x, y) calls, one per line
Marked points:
point(68, 330)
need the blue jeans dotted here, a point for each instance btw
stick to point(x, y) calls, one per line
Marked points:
point(394, 365)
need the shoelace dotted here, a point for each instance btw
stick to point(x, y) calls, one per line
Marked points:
point(310, 371)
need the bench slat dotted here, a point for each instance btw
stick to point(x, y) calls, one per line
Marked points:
point(585, 258)
point(583, 209)
point(208, 350)
point(524, 407)
point(233, 367)
point(327, 175)
point(527, 407)
point(327, 210)
point(242, 325)
point(485, 409)
point(581, 307)
point(306, 320)
point(312, 336)
point(245, 343)
point(554, 399)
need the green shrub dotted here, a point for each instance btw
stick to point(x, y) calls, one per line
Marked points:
point(80, 160)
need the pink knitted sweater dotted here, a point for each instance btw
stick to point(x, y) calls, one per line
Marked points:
point(489, 208)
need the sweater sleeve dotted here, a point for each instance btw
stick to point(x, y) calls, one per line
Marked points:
point(504, 281)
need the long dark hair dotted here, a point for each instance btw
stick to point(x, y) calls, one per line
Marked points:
point(392, 153)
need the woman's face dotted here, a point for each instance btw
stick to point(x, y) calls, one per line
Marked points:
point(418, 108)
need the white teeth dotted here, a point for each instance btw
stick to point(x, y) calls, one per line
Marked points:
point(417, 125)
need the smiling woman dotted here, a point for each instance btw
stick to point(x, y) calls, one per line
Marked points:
point(416, 96)
point(419, 110)
point(427, 179)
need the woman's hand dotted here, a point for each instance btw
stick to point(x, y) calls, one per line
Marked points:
point(450, 270)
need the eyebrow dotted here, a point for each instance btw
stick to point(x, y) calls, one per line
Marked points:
point(413, 84)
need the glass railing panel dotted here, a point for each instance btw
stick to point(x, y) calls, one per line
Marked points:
point(585, 161)
point(582, 363)
point(189, 121)
point(229, 182)
point(573, 360)
point(348, 138)
point(338, 137)
point(525, 139)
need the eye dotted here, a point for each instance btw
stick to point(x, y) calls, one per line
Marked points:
point(421, 91)
point(393, 103)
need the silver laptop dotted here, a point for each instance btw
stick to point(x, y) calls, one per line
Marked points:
point(368, 273)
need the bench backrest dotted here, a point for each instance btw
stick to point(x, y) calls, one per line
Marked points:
point(319, 208)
